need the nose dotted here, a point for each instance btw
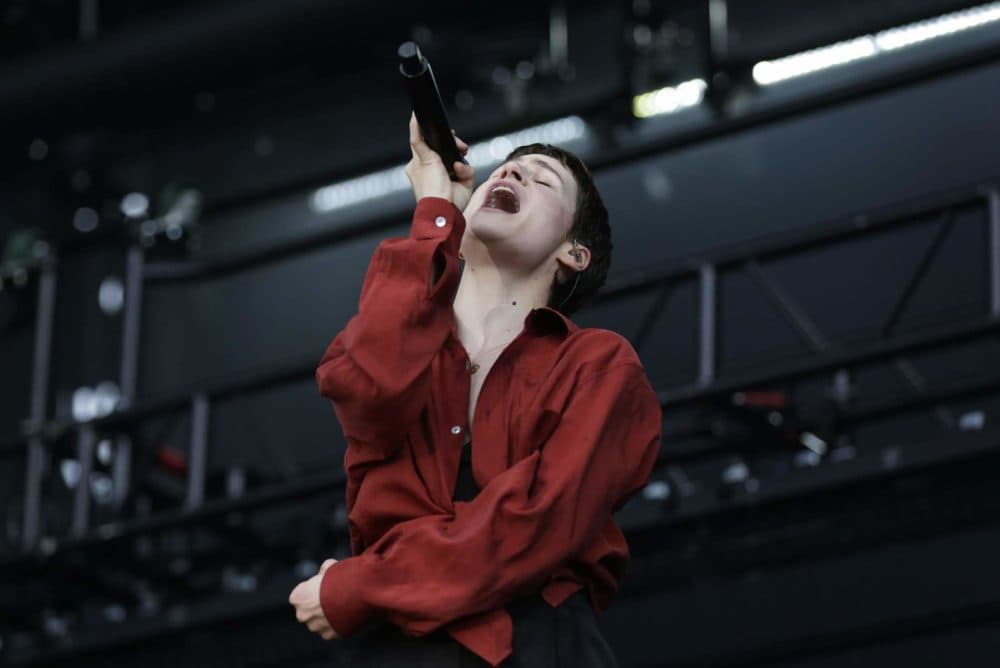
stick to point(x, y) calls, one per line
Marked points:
point(511, 169)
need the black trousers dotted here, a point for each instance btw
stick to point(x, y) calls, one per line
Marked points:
point(544, 637)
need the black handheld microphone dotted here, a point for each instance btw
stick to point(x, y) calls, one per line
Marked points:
point(427, 105)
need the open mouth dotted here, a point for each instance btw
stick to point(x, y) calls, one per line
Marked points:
point(503, 198)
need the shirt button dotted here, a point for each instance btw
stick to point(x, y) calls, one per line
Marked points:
point(440, 221)
point(456, 430)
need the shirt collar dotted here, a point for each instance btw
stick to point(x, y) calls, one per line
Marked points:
point(546, 319)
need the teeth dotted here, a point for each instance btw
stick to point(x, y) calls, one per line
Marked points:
point(508, 201)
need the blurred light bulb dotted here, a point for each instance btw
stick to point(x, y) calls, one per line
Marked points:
point(135, 205)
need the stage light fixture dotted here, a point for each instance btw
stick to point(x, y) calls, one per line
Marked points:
point(669, 99)
point(972, 421)
point(85, 219)
point(813, 442)
point(135, 205)
point(656, 490)
point(70, 471)
point(111, 295)
point(769, 72)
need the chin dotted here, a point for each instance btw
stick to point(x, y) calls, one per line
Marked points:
point(490, 225)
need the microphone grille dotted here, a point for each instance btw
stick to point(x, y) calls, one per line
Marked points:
point(411, 61)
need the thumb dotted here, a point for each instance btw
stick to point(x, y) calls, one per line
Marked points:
point(421, 150)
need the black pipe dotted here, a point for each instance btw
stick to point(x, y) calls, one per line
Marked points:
point(189, 40)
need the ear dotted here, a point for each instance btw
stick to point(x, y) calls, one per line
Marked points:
point(572, 259)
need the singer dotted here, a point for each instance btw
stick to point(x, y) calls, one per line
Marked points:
point(489, 438)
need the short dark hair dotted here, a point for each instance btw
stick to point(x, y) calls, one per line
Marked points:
point(590, 227)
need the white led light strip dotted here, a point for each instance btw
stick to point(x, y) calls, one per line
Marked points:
point(483, 154)
point(669, 99)
point(770, 72)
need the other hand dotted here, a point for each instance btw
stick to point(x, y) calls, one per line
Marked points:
point(305, 599)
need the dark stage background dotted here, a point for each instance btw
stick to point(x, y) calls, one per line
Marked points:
point(810, 271)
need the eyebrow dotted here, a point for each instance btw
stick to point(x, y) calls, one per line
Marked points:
point(542, 163)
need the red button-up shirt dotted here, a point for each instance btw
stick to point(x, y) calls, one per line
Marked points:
point(566, 428)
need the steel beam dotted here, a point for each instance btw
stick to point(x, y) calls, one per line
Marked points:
point(131, 325)
point(993, 236)
point(864, 354)
point(35, 465)
point(198, 454)
point(707, 324)
point(86, 439)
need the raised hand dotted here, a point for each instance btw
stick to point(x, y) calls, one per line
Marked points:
point(428, 175)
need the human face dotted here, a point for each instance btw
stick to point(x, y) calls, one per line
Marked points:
point(545, 193)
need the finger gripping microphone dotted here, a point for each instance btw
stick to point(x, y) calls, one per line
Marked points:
point(427, 105)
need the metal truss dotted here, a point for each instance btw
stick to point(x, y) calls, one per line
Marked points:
point(708, 385)
point(705, 270)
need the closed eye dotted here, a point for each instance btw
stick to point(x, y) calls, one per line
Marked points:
point(543, 183)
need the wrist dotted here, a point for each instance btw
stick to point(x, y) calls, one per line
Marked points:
point(433, 196)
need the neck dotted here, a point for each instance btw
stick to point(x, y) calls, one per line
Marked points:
point(492, 301)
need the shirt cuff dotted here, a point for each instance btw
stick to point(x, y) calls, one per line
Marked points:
point(341, 597)
point(437, 218)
